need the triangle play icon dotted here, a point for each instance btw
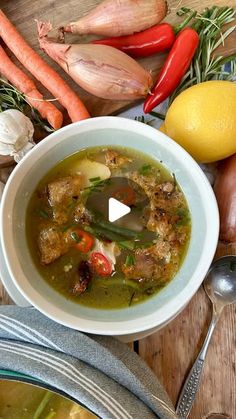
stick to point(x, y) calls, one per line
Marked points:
point(116, 209)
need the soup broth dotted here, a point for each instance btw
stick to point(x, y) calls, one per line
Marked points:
point(25, 401)
point(101, 263)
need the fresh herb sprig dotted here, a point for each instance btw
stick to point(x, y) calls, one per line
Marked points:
point(144, 120)
point(12, 98)
point(205, 65)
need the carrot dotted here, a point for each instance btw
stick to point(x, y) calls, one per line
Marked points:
point(25, 85)
point(41, 70)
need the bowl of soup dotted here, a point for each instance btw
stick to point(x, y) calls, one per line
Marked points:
point(25, 397)
point(108, 227)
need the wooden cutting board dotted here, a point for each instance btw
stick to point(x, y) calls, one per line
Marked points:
point(23, 12)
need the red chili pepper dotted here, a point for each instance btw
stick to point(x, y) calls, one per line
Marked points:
point(101, 264)
point(85, 241)
point(155, 39)
point(175, 66)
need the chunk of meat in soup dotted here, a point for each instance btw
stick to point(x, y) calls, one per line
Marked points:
point(115, 160)
point(163, 198)
point(144, 268)
point(50, 245)
point(60, 193)
point(83, 278)
point(82, 214)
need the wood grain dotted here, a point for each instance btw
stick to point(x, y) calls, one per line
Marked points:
point(171, 351)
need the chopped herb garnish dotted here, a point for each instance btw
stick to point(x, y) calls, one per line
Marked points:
point(145, 169)
point(97, 184)
point(43, 214)
point(72, 203)
point(184, 216)
point(131, 298)
point(182, 212)
point(143, 245)
point(67, 226)
point(89, 287)
point(75, 237)
point(95, 179)
point(88, 229)
point(130, 260)
point(126, 245)
point(174, 179)
point(182, 222)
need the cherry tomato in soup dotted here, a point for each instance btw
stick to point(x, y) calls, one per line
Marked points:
point(125, 194)
point(101, 264)
point(84, 241)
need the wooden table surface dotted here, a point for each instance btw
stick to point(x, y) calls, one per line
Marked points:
point(171, 351)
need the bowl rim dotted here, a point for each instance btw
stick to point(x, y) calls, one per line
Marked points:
point(163, 314)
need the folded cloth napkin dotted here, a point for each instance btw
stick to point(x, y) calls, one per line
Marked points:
point(100, 372)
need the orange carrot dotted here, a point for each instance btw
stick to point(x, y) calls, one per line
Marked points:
point(25, 85)
point(41, 70)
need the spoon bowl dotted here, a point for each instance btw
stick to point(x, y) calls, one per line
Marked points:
point(220, 283)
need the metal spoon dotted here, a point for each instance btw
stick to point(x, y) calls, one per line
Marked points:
point(220, 286)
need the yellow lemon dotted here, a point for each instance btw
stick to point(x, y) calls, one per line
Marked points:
point(202, 119)
point(162, 128)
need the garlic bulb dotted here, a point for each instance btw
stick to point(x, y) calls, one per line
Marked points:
point(16, 134)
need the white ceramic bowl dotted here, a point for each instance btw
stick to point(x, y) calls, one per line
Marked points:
point(159, 309)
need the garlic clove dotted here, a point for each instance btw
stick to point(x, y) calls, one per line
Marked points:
point(6, 149)
point(21, 153)
point(16, 133)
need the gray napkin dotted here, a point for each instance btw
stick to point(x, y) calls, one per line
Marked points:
point(100, 372)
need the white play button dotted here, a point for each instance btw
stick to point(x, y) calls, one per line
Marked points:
point(116, 209)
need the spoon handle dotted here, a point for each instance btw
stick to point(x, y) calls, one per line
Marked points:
point(190, 388)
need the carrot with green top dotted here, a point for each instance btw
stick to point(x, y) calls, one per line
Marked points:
point(41, 70)
point(26, 86)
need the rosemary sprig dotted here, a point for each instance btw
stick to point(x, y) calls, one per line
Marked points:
point(205, 65)
point(12, 98)
point(142, 119)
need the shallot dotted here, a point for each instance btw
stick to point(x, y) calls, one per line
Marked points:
point(119, 17)
point(225, 190)
point(99, 69)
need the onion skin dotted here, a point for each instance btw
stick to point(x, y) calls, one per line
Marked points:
point(225, 191)
point(119, 17)
point(99, 69)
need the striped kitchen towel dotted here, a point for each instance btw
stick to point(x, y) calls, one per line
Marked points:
point(100, 372)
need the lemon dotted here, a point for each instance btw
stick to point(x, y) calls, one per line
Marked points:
point(162, 128)
point(202, 119)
